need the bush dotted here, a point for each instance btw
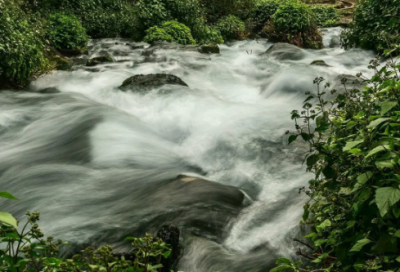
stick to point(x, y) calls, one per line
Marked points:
point(216, 10)
point(325, 16)
point(21, 47)
point(264, 11)
point(375, 26)
point(170, 31)
point(66, 32)
point(293, 23)
point(231, 27)
point(354, 206)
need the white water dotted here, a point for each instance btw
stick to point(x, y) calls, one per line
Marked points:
point(100, 163)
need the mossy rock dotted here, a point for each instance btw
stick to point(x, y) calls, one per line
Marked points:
point(285, 51)
point(209, 49)
point(105, 58)
point(57, 60)
point(144, 83)
point(320, 63)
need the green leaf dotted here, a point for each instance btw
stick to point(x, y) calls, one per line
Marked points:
point(377, 122)
point(292, 138)
point(8, 219)
point(384, 164)
point(283, 261)
point(281, 268)
point(385, 198)
point(323, 225)
point(377, 150)
point(398, 259)
point(361, 180)
point(360, 244)
point(166, 254)
point(387, 106)
point(351, 145)
point(396, 212)
point(5, 194)
point(322, 128)
point(311, 160)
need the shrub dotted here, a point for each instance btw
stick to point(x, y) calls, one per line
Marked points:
point(231, 27)
point(216, 10)
point(170, 31)
point(293, 23)
point(325, 16)
point(66, 32)
point(21, 47)
point(264, 11)
point(28, 250)
point(375, 26)
point(354, 206)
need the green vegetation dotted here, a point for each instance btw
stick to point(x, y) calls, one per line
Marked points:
point(28, 251)
point(170, 31)
point(293, 23)
point(375, 26)
point(264, 11)
point(325, 16)
point(354, 206)
point(21, 47)
point(66, 32)
point(231, 27)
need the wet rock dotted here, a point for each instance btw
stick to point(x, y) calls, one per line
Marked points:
point(104, 58)
point(209, 49)
point(73, 52)
point(320, 63)
point(49, 90)
point(170, 235)
point(57, 59)
point(284, 51)
point(335, 42)
point(146, 82)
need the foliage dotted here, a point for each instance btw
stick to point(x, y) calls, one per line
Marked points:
point(21, 47)
point(354, 206)
point(293, 23)
point(375, 26)
point(170, 31)
point(231, 27)
point(28, 251)
point(215, 10)
point(325, 16)
point(264, 11)
point(66, 32)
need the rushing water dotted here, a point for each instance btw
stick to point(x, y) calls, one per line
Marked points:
point(101, 164)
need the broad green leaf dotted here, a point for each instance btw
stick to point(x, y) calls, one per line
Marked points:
point(384, 164)
point(8, 219)
point(166, 254)
point(398, 259)
point(283, 261)
point(311, 160)
point(345, 191)
point(323, 225)
point(377, 150)
point(397, 234)
point(351, 145)
point(377, 122)
point(387, 106)
point(281, 268)
point(4, 194)
point(292, 138)
point(385, 198)
point(361, 180)
point(396, 212)
point(360, 244)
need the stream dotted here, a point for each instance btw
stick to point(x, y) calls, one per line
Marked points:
point(101, 164)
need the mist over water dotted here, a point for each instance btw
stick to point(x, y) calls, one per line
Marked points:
point(101, 164)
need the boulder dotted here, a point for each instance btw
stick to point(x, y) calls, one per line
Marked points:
point(146, 82)
point(170, 235)
point(209, 49)
point(320, 63)
point(57, 59)
point(285, 51)
point(104, 58)
point(73, 52)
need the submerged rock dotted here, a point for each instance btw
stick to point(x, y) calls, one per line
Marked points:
point(284, 51)
point(146, 82)
point(320, 63)
point(49, 90)
point(209, 49)
point(170, 235)
point(105, 58)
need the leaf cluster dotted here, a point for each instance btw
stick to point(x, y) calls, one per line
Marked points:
point(170, 31)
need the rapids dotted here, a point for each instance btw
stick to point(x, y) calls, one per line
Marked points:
point(101, 164)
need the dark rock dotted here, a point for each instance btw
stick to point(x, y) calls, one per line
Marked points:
point(105, 58)
point(145, 82)
point(320, 63)
point(209, 49)
point(170, 235)
point(49, 90)
point(57, 59)
point(73, 52)
point(285, 51)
